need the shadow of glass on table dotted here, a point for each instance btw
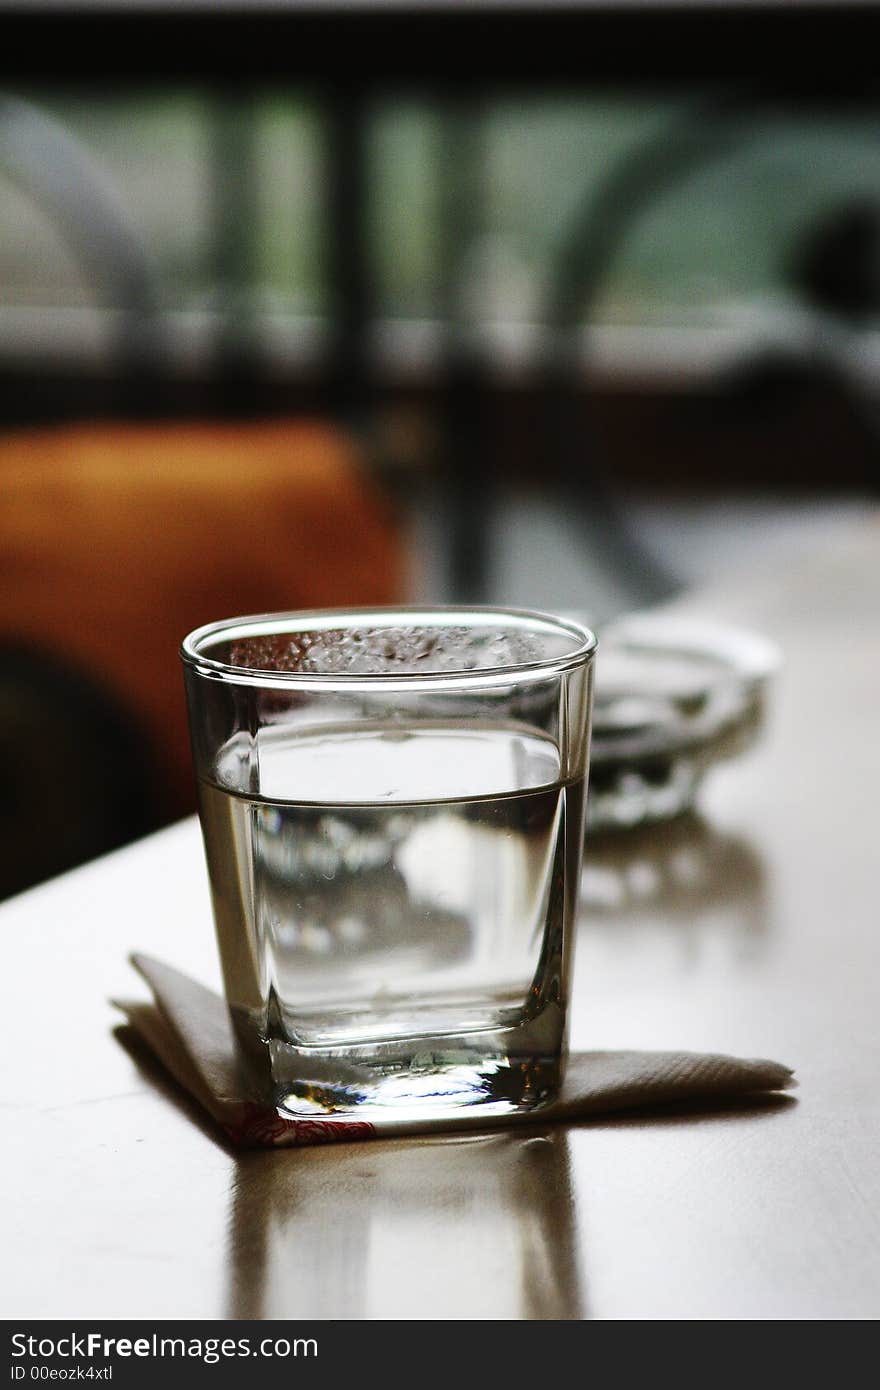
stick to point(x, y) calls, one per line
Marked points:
point(445, 1227)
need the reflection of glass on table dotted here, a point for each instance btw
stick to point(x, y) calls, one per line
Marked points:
point(376, 1218)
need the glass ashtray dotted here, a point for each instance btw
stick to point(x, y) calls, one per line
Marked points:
point(673, 697)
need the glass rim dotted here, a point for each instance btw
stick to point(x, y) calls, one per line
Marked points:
point(584, 647)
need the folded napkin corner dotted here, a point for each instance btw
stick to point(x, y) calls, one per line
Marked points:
point(187, 1027)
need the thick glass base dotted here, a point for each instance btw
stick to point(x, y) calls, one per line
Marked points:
point(501, 1071)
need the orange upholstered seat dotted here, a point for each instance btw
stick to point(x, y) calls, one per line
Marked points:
point(116, 540)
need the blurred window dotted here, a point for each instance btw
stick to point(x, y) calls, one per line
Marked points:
point(710, 251)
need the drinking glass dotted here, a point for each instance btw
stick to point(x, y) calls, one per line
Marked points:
point(392, 804)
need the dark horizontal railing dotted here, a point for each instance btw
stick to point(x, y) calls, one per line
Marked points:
point(800, 46)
